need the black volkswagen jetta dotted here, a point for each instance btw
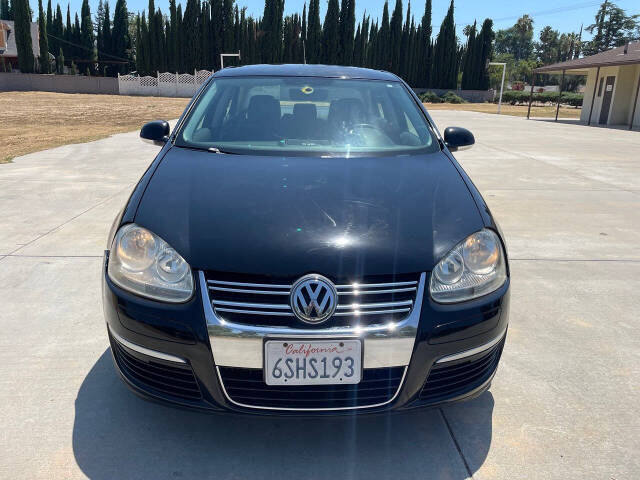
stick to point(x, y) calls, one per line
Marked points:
point(306, 242)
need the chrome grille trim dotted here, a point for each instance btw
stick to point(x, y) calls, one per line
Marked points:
point(385, 344)
point(375, 285)
point(242, 290)
point(374, 292)
point(253, 312)
point(354, 309)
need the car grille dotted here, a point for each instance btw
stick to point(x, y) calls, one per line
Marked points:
point(156, 377)
point(449, 380)
point(246, 386)
point(265, 302)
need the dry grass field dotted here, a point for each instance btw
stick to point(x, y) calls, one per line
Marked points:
point(33, 121)
point(516, 110)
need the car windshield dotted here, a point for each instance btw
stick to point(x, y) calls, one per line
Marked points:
point(307, 116)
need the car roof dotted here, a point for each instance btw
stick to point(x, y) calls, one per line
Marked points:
point(300, 70)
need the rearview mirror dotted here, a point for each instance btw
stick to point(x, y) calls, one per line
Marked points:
point(458, 138)
point(156, 132)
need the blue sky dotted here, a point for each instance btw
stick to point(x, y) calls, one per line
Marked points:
point(563, 15)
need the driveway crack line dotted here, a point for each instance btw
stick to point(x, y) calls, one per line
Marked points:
point(65, 222)
point(455, 442)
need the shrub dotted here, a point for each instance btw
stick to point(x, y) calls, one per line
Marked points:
point(515, 97)
point(451, 97)
point(430, 97)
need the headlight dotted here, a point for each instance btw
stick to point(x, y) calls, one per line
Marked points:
point(143, 263)
point(473, 268)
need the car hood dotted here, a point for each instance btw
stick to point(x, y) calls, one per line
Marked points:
point(286, 216)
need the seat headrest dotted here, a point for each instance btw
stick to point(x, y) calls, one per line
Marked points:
point(346, 109)
point(263, 108)
point(305, 111)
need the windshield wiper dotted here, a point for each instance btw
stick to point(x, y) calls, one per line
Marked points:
point(222, 150)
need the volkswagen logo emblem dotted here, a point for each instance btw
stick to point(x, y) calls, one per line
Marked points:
point(313, 298)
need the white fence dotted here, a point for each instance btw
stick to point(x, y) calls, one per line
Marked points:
point(163, 84)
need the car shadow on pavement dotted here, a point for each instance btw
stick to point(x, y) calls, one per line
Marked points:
point(118, 435)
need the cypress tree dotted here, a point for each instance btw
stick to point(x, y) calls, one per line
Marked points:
point(314, 33)
point(303, 33)
point(227, 25)
point(68, 49)
point(141, 54)
point(44, 42)
point(87, 38)
point(172, 38)
point(191, 36)
point(5, 10)
point(445, 54)
point(216, 30)
point(57, 29)
point(51, 41)
point(180, 36)
point(484, 53)
point(405, 51)
point(119, 38)
point(22, 19)
point(383, 52)
point(395, 38)
point(205, 28)
point(347, 30)
point(425, 48)
point(331, 34)
point(469, 76)
point(152, 53)
point(60, 62)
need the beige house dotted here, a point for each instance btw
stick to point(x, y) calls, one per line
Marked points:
point(8, 49)
point(613, 83)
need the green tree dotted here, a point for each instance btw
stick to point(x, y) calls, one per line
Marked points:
point(314, 33)
point(43, 59)
point(516, 40)
point(227, 23)
point(468, 71)
point(5, 10)
point(347, 30)
point(52, 46)
point(87, 39)
point(612, 27)
point(60, 62)
point(22, 19)
point(331, 34)
point(172, 38)
point(395, 38)
point(119, 39)
point(424, 62)
point(445, 57)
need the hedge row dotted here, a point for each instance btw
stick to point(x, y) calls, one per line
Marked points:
point(515, 97)
point(449, 97)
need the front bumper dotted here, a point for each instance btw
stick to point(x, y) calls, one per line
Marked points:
point(186, 355)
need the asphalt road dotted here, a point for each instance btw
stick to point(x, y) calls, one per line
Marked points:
point(564, 403)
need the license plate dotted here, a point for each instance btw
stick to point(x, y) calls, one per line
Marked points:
point(312, 362)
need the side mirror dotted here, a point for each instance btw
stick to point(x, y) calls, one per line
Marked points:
point(156, 132)
point(458, 138)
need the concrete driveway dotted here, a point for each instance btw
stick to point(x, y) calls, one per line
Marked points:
point(564, 403)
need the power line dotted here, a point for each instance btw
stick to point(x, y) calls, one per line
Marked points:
point(89, 49)
point(566, 8)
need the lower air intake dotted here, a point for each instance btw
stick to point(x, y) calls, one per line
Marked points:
point(246, 386)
